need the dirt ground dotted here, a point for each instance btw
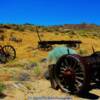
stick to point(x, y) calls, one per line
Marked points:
point(26, 90)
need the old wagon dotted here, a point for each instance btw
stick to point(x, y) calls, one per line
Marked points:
point(48, 45)
point(75, 73)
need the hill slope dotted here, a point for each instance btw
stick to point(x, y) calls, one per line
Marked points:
point(25, 41)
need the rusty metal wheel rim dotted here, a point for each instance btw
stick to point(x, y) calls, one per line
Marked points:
point(78, 73)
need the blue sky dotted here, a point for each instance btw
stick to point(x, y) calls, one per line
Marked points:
point(50, 12)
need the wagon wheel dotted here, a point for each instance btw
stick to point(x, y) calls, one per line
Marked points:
point(70, 74)
point(10, 52)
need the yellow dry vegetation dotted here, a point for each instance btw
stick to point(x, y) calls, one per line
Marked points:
point(25, 49)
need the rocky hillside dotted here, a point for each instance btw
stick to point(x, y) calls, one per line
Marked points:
point(29, 65)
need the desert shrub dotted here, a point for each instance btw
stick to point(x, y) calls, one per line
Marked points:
point(71, 36)
point(14, 38)
point(31, 65)
point(28, 27)
point(6, 27)
point(72, 33)
point(13, 26)
point(28, 85)
point(96, 35)
point(56, 33)
point(2, 37)
point(84, 35)
point(2, 87)
point(44, 60)
point(24, 76)
point(37, 71)
point(19, 28)
point(1, 31)
point(49, 30)
point(31, 29)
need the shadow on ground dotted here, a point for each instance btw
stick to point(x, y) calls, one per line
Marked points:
point(2, 95)
point(88, 95)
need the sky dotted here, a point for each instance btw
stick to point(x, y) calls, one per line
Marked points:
point(50, 12)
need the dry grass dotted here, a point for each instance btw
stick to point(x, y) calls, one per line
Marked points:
point(26, 54)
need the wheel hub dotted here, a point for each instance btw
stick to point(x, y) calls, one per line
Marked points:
point(69, 73)
point(7, 54)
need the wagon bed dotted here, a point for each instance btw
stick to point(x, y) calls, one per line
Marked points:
point(47, 45)
point(60, 42)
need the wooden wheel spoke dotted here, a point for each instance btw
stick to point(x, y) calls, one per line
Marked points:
point(79, 74)
point(75, 64)
point(77, 69)
point(66, 62)
point(78, 83)
point(62, 72)
point(63, 69)
point(63, 64)
point(80, 78)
